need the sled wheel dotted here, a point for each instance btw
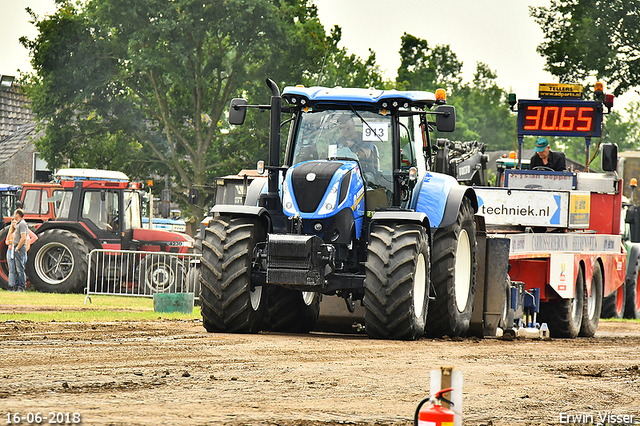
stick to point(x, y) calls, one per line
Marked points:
point(592, 307)
point(564, 316)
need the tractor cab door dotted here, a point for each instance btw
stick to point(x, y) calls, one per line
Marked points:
point(101, 213)
point(131, 218)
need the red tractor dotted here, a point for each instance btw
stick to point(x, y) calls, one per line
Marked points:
point(95, 209)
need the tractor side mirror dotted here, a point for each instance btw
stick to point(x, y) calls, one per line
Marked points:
point(446, 118)
point(237, 111)
point(194, 195)
point(609, 157)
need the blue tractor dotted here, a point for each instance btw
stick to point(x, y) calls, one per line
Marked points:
point(354, 211)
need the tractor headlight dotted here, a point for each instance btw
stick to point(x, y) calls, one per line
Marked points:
point(287, 201)
point(331, 201)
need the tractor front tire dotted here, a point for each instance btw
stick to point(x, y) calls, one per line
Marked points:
point(292, 311)
point(57, 262)
point(397, 282)
point(453, 275)
point(632, 303)
point(564, 316)
point(592, 306)
point(228, 303)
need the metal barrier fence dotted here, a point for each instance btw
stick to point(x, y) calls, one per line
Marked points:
point(142, 273)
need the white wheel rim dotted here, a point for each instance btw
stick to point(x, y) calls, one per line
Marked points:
point(255, 297)
point(419, 286)
point(54, 263)
point(462, 271)
point(307, 297)
point(591, 300)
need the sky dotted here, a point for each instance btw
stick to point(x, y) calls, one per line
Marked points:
point(499, 33)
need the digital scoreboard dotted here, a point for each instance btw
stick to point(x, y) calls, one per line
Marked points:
point(558, 117)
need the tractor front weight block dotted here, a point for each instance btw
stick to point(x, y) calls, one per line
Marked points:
point(299, 260)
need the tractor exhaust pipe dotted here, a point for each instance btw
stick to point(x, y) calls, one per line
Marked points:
point(274, 137)
point(271, 200)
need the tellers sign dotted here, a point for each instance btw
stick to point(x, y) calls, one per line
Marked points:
point(559, 118)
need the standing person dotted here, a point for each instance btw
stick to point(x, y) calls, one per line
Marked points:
point(544, 157)
point(20, 249)
point(12, 267)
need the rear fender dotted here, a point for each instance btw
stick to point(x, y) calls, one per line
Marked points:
point(440, 197)
point(245, 211)
point(454, 200)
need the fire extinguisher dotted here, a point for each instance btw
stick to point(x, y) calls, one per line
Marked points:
point(435, 415)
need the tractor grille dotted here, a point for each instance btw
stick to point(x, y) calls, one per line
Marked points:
point(309, 194)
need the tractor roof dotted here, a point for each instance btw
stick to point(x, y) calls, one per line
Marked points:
point(8, 188)
point(91, 174)
point(350, 95)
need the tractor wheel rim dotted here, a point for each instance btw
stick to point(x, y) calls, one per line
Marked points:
point(419, 286)
point(591, 301)
point(54, 263)
point(161, 278)
point(307, 297)
point(462, 271)
point(255, 297)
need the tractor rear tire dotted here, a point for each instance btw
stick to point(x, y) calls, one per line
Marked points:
point(564, 316)
point(453, 275)
point(397, 282)
point(158, 273)
point(614, 304)
point(57, 262)
point(632, 303)
point(292, 311)
point(592, 306)
point(228, 303)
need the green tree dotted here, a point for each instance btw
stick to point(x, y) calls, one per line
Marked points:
point(585, 38)
point(143, 85)
point(482, 111)
point(425, 68)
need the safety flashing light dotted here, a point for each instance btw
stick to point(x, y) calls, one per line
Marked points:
point(512, 155)
point(150, 182)
point(511, 99)
point(260, 167)
point(608, 101)
point(300, 85)
point(598, 88)
point(413, 174)
point(633, 182)
point(441, 96)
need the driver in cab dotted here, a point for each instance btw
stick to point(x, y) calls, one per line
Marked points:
point(544, 157)
point(350, 142)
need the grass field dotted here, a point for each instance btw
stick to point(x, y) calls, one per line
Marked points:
point(45, 307)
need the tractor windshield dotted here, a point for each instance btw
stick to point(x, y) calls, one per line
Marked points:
point(340, 134)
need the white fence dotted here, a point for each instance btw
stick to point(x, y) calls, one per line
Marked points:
point(142, 273)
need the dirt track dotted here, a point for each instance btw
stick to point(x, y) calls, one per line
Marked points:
point(173, 372)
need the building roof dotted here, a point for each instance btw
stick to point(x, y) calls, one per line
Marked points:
point(14, 143)
point(15, 111)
